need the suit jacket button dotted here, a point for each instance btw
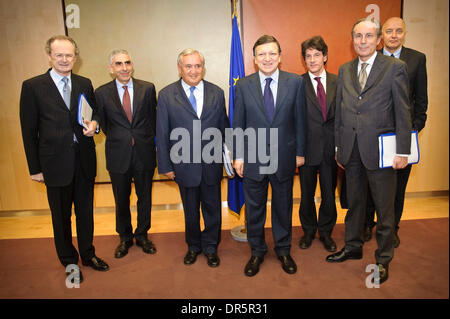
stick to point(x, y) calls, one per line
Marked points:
point(359, 97)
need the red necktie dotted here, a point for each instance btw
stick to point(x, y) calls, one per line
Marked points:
point(126, 102)
point(321, 96)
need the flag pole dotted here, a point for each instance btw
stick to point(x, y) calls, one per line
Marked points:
point(238, 233)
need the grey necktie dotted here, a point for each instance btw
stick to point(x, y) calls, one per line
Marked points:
point(362, 78)
point(66, 92)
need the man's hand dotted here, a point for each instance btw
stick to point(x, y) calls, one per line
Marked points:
point(39, 177)
point(239, 167)
point(170, 175)
point(300, 160)
point(92, 127)
point(400, 162)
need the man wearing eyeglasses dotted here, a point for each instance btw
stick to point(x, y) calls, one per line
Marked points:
point(371, 99)
point(60, 152)
point(127, 109)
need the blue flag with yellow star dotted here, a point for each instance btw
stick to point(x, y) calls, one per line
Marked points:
point(235, 191)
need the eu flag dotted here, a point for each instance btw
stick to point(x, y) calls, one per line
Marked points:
point(235, 191)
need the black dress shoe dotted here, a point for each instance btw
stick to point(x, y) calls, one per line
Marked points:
point(96, 263)
point(213, 260)
point(252, 266)
point(190, 258)
point(147, 246)
point(384, 273)
point(328, 243)
point(343, 255)
point(288, 264)
point(122, 249)
point(74, 279)
point(306, 241)
point(367, 234)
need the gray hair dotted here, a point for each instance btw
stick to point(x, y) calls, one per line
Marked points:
point(190, 51)
point(48, 44)
point(116, 52)
point(375, 21)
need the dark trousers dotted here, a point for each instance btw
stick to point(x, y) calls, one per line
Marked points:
point(80, 192)
point(382, 183)
point(402, 181)
point(327, 211)
point(121, 184)
point(208, 197)
point(255, 194)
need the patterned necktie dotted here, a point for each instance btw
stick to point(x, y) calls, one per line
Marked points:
point(192, 99)
point(66, 92)
point(392, 55)
point(268, 100)
point(126, 102)
point(321, 96)
point(362, 78)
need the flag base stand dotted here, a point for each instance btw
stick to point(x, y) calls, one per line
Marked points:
point(239, 233)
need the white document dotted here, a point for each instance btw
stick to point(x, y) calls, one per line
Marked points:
point(84, 110)
point(227, 161)
point(387, 148)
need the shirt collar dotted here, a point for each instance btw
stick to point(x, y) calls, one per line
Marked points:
point(186, 86)
point(322, 75)
point(58, 77)
point(274, 76)
point(396, 53)
point(370, 60)
point(121, 85)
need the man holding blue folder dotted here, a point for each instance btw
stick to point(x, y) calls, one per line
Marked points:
point(371, 99)
point(60, 152)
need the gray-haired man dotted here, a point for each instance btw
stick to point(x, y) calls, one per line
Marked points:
point(127, 109)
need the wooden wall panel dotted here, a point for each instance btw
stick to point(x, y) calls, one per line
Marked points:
point(25, 26)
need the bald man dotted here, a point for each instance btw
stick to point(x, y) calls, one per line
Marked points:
point(393, 34)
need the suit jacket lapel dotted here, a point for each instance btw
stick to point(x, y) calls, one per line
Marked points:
point(74, 94)
point(257, 94)
point(182, 98)
point(331, 92)
point(55, 92)
point(207, 99)
point(116, 99)
point(310, 93)
point(137, 98)
point(354, 75)
point(377, 68)
point(281, 92)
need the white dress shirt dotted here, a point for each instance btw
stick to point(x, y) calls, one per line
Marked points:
point(273, 84)
point(396, 53)
point(57, 78)
point(198, 93)
point(121, 91)
point(369, 62)
point(323, 80)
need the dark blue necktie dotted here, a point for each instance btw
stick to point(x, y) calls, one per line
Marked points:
point(268, 100)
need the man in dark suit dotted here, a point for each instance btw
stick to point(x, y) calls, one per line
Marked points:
point(188, 111)
point(371, 99)
point(269, 105)
point(127, 109)
point(320, 88)
point(60, 152)
point(394, 32)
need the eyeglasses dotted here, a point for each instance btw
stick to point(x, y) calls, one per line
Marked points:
point(62, 56)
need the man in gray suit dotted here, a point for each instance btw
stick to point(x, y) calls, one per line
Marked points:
point(371, 99)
